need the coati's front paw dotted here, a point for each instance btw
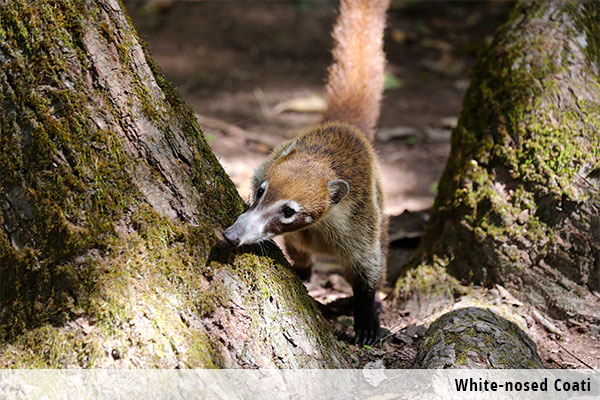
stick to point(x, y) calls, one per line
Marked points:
point(366, 327)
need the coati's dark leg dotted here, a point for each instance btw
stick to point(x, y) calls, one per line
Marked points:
point(301, 260)
point(366, 322)
point(384, 246)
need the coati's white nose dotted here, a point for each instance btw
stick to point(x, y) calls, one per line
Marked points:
point(231, 237)
point(247, 229)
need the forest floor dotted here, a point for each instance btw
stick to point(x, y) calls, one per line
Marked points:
point(254, 73)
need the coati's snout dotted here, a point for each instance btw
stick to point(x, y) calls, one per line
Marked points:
point(248, 228)
point(232, 236)
point(267, 217)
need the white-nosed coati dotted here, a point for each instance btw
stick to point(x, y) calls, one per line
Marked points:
point(321, 190)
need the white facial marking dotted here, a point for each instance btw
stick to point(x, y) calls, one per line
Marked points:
point(262, 188)
point(288, 150)
point(294, 206)
point(252, 223)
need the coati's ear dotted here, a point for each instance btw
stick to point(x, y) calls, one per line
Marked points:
point(338, 189)
point(288, 150)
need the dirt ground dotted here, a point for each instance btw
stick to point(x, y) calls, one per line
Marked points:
point(243, 66)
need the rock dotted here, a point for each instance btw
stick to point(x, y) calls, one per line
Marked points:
point(415, 331)
point(476, 338)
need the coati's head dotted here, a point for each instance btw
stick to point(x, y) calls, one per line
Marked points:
point(294, 194)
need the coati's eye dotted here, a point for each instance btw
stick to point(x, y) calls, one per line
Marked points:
point(259, 192)
point(288, 211)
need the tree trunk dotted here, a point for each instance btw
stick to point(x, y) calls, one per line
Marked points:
point(111, 200)
point(519, 200)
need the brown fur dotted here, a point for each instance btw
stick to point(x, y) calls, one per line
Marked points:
point(327, 152)
point(329, 175)
point(355, 82)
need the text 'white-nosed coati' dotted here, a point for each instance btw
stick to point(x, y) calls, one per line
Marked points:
point(321, 190)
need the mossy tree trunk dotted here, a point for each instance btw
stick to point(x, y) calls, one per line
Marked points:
point(519, 200)
point(110, 199)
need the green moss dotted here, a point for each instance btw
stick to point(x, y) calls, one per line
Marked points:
point(75, 177)
point(430, 282)
point(517, 148)
point(95, 268)
point(478, 337)
point(208, 175)
point(138, 296)
point(267, 279)
point(50, 349)
point(586, 16)
point(201, 353)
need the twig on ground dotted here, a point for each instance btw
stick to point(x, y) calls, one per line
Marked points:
point(232, 130)
point(573, 355)
point(264, 106)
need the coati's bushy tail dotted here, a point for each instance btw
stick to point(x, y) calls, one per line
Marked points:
point(356, 76)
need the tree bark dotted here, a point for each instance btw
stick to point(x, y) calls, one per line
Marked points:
point(519, 200)
point(111, 200)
